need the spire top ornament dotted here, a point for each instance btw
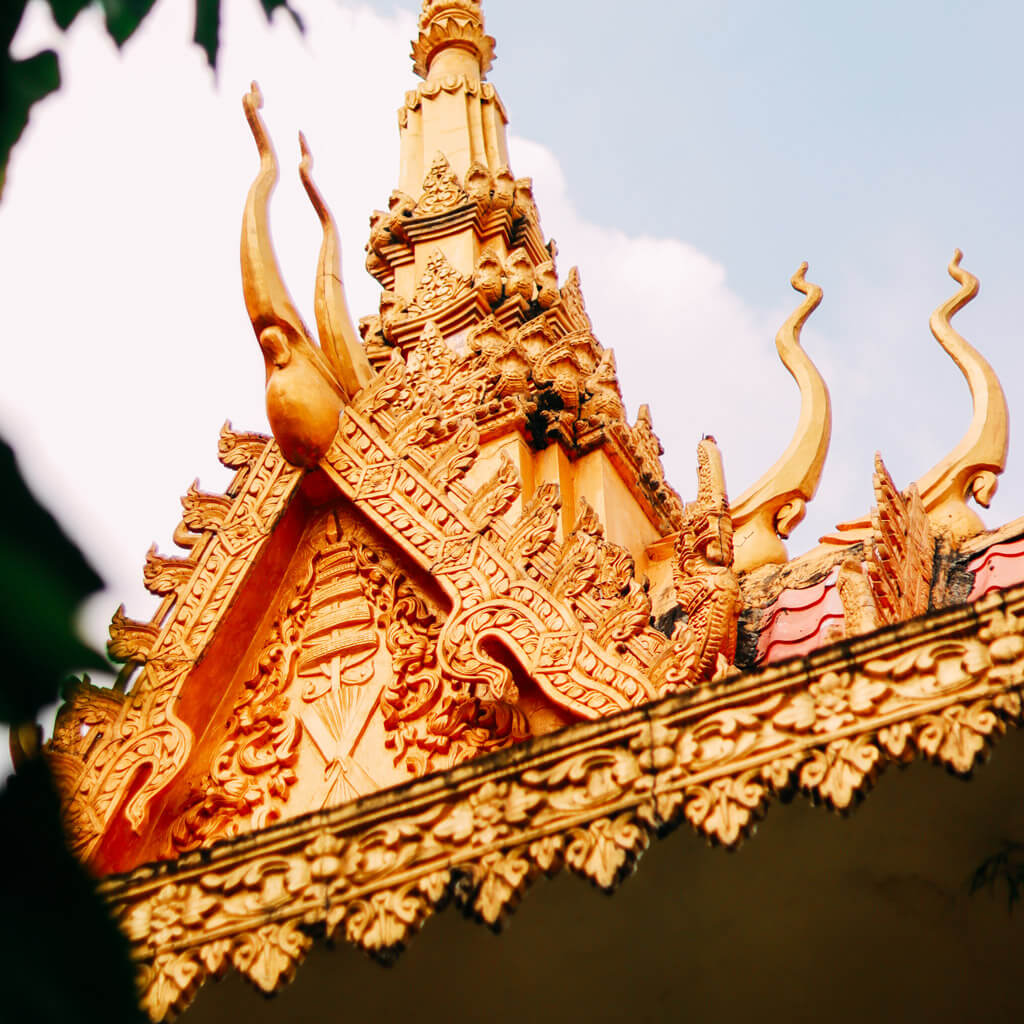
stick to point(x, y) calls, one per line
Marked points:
point(452, 30)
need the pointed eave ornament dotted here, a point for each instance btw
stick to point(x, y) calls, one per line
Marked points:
point(778, 501)
point(451, 24)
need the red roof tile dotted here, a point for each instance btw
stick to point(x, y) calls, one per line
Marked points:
point(800, 621)
point(997, 567)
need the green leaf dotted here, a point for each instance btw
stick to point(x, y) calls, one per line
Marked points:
point(62, 958)
point(124, 17)
point(10, 18)
point(269, 6)
point(45, 579)
point(207, 33)
point(65, 11)
point(22, 83)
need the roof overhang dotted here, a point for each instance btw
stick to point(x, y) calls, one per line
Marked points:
point(589, 798)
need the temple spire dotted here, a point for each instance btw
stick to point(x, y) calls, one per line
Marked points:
point(452, 40)
point(454, 112)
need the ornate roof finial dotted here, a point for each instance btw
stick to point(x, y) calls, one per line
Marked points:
point(304, 395)
point(778, 501)
point(456, 28)
point(339, 340)
point(973, 466)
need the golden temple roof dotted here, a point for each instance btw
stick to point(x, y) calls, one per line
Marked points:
point(451, 626)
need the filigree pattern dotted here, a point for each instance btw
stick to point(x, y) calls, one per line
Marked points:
point(146, 731)
point(442, 190)
point(589, 802)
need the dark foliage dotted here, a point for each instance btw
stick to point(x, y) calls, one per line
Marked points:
point(25, 82)
point(45, 579)
point(1005, 867)
point(62, 959)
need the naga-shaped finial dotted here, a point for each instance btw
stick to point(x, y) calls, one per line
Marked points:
point(338, 337)
point(775, 505)
point(304, 397)
point(973, 466)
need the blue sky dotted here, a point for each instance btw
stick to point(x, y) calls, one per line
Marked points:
point(688, 156)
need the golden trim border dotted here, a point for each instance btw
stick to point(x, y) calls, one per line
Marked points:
point(588, 798)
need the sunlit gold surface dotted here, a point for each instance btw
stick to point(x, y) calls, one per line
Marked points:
point(589, 800)
point(774, 505)
point(971, 469)
point(459, 567)
point(338, 338)
point(303, 394)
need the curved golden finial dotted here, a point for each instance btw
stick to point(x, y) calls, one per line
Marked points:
point(778, 501)
point(338, 338)
point(973, 466)
point(303, 395)
point(266, 295)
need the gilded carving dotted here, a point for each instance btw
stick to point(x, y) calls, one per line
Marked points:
point(339, 340)
point(440, 283)
point(860, 609)
point(144, 733)
point(706, 586)
point(446, 22)
point(496, 496)
point(304, 393)
point(479, 184)
point(590, 803)
point(973, 467)
point(519, 281)
point(489, 279)
point(252, 768)
point(546, 276)
point(901, 554)
point(442, 190)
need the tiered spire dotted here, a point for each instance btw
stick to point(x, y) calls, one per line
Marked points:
point(454, 113)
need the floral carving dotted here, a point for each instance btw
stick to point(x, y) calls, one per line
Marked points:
point(441, 189)
point(589, 803)
point(440, 283)
point(145, 732)
point(269, 955)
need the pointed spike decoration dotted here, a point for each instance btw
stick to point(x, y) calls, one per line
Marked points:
point(339, 339)
point(775, 505)
point(973, 466)
point(304, 395)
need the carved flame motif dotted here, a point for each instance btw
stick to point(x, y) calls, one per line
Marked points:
point(442, 190)
point(901, 554)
